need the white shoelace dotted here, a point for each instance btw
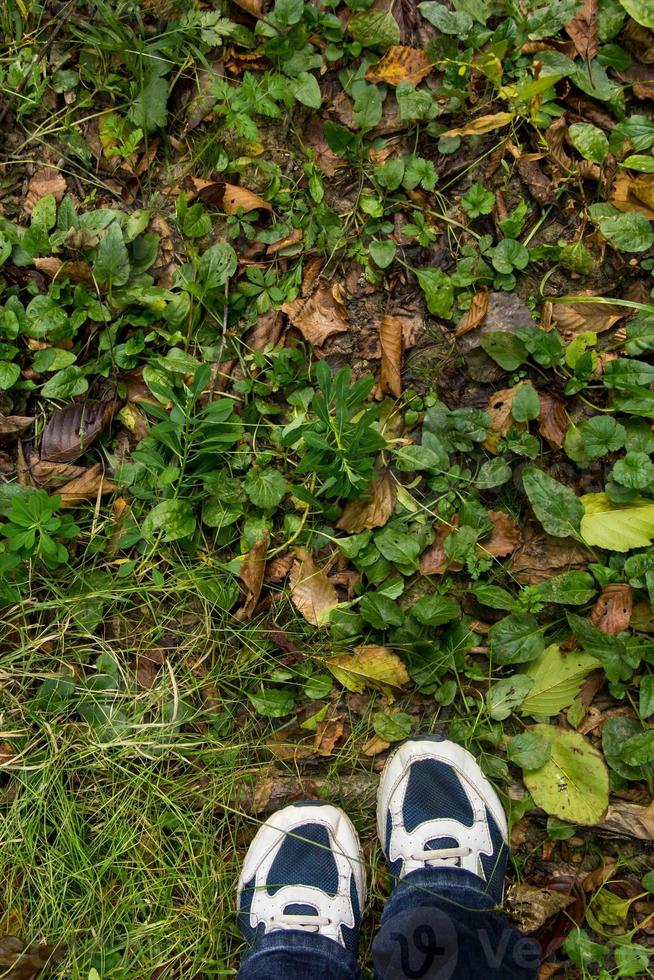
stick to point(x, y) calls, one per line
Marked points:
point(443, 856)
point(309, 923)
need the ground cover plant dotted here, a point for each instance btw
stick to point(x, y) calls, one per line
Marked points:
point(326, 400)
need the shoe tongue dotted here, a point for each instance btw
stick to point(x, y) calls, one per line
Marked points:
point(299, 909)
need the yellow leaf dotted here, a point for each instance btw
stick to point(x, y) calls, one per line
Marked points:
point(400, 64)
point(311, 591)
point(482, 124)
point(369, 666)
point(616, 527)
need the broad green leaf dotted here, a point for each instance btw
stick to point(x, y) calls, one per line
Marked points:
point(627, 372)
point(619, 659)
point(265, 488)
point(557, 680)
point(616, 527)
point(439, 291)
point(557, 508)
point(568, 589)
point(392, 728)
point(646, 696)
point(495, 597)
point(526, 404)
point(382, 253)
point(633, 960)
point(272, 702)
point(148, 109)
point(217, 512)
point(516, 639)
point(639, 749)
point(590, 141)
point(574, 782)
point(434, 610)
point(507, 694)
point(628, 231)
point(5, 248)
point(639, 161)
point(505, 348)
point(398, 546)
point(368, 107)
point(174, 518)
point(457, 22)
point(616, 733)
point(374, 29)
point(380, 611)
point(217, 265)
point(306, 90)
point(111, 266)
point(509, 255)
point(602, 435)
point(369, 666)
point(642, 11)
point(634, 470)
point(9, 375)
point(529, 750)
point(65, 384)
point(582, 950)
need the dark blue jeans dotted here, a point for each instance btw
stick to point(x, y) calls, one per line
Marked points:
point(438, 924)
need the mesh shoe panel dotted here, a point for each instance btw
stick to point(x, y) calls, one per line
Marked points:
point(299, 861)
point(434, 792)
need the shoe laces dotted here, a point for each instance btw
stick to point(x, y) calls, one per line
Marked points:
point(443, 856)
point(308, 923)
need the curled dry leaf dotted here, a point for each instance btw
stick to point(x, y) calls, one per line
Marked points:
point(531, 907)
point(237, 198)
point(476, 314)
point(400, 64)
point(482, 124)
point(501, 420)
point(294, 238)
point(634, 194)
point(552, 420)
point(72, 430)
point(311, 591)
point(555, 136)
point(370, 666)
point(12, 426)
point(87, 486)
point(318, 317)
point(630, 819)
point(328, 733)
point(612, 611)
point(583, 30)
point(373, 510)
point(540, 187)
point(251, 575)
point(392, 350)
point(254, 7)
point(572, 318)
point(45, 181)
point(504, 538)
point(374, 746)
point(434, 561)
point(278, 568)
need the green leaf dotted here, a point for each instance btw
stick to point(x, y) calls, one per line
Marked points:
point(529, 750)
point(642, 11)
point(374, 29)
point(633, 960)
point(616, 732)
point(339, 138)
point(640, 334)
point(568, 589)
point(582, 950)
point(434, 610)
point(217, 265)
point(516, 639)
point(526, 404)
point(634, 470)
point(265, 488)
point(380, 611)
point(628, 231)
point(639, 749)
point(602, 435)
point(53, 359)
point(557, 680)
point(439, 291)
point(274, 702)
point(619, 662)
point(557, 508)
point(505, 348)
point(616, 527)
point(148, 108)
point(392, 728)
point(590, 141)
point(9, 375)
point(398, 546)
point(174, 518)
point(45, 212)
point(368, 107)
point(306, 90)
point(493, 473)
point(646, 696)
point(574, 783)
point(111, 266)
point(495, 597)
point(217, 512)
point(478, 201)
point(382, 253)
point(509, 255)
point(66, 384)
point(625, 373)
point(507, 694)
point(457, 22)
point(640, 162)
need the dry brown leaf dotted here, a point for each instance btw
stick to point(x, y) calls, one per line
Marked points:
point(318, 317)
point(482, 124)
point(328, 733)
point(501, 420)
point(370, 666)
point(476, 315)
point(391, 342)
point(630, 819)
point(634, 194)
point(21, 962)
point(374, 746)
point(135, 420)
point(532, 906)
point(556, 135)
point(539, 556)
point(504, 538)
point(294, 238)
point(571, 319)
point(45, 181)
point(552, 420)
point(75, 271)
point(88, 486)
point(267, 330)
point(72, 430)
point(278, 568)
point(12, 426)
point(583, 30)
point(643, 90)
point(612, 611)
point(433, 560)
point(311, 591)
point(373, 510)
point(237, 198)
point(595, 879)
point(548, 970)
point(48, 474)
point(254, 7)
point(540, 186)
point(251, 575)
point(400, 64)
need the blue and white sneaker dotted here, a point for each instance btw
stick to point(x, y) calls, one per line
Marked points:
point(435, 808)
point(304, 871)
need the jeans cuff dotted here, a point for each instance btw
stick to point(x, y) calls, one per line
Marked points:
point(277, 954)
point(455, 886)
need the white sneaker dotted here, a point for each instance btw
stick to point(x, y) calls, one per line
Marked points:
point(435, 808)
point(304, 871)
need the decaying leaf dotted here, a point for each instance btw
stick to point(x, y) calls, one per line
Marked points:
point(72, 430)
point(254, 7)
point(21, 962)
point(278, 568)
point(75, 271)
point(267, 330)
point(12, 426)
point(532, 907)
point(552, 420)
point(328, 733)
point(433, 560)
point(612, 611)
point(540, 186)
point(572, 318)
point(400, 64)
point(48, 474)
point(370, 666)
point(237, 198)
point(373, 510)
point(476, 315)
point(634, 193)
point(87, 486)
point(45, 181)
point(540, 556)
point(392, 350)
point(311, 591)
point(499, 409)
point(630, 819)
point(482, 124)
point(374, 746)
point(251, 575)
point(504, 538)
point(318, 317)
point(583, 30)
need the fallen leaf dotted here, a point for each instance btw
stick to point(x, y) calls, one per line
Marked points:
point(328, 733)
point(532, 906)
point(254, 7)
point(573, 318)
point(400, 64)
point(318, 317)
point(504, 538)
point(612, 611)
point(12, 426)
point(552, 933)
point(630, 819)
point(476, 315)
point(540, 556)
point(374, 746)
point(531, 174)
point(482, 124)
point(45, 181)
point(294, 238)
point(556, 136)
point(603, 873)
point(237, 198)
point(267, 330)
point(75, 271)
point(48, 474)
point(72, 430)
point(372, 510)
point(634, 194)
point(583, 30)
point(574, 782)
point(552, 420)
point(643, 90)
point(311, 591)
point(278, 568)
point(548, 970)
point(370, 666)
point(88, 486)
point(237, 62)
point(433, 560)
point(21, 962)
point(251, 574)
point(392, 350)
point(501, 420)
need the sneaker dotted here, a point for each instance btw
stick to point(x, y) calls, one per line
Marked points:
point(435, 808)
point(304, 871)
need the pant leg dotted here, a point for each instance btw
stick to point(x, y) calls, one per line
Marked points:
point(298, 955)
point(439, 924)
